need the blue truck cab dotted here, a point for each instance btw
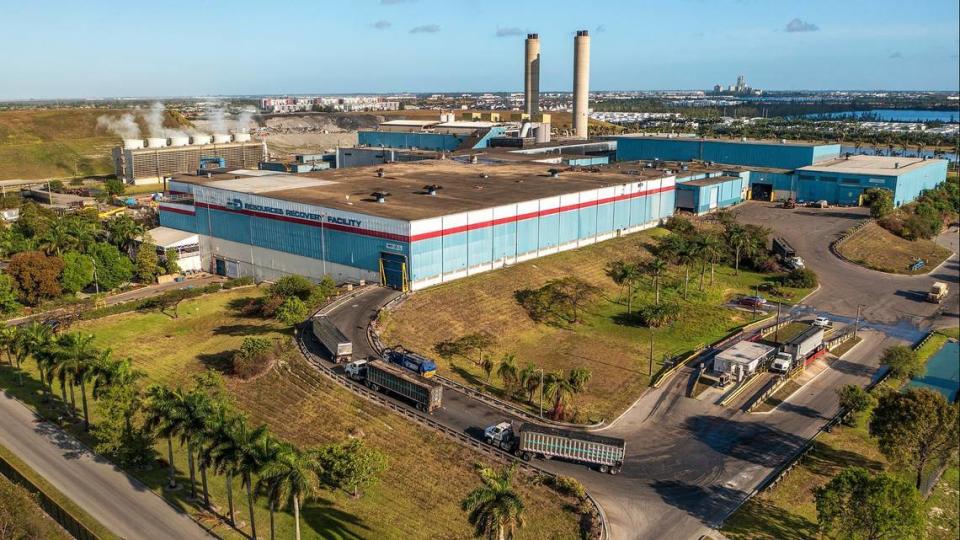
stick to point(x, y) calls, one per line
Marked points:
point(412, 361)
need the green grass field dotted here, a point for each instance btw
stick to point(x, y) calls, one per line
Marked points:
point(616, 354)
point(879, 249)
point(428, 474)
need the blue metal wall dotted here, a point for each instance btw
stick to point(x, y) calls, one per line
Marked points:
point(729, 193)
point(779, 181)
point(456, 252)
point(357, 250)
point(423, 141)
point(783, 156)
point(911, 184)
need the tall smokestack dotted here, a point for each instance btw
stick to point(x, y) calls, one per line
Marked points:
point(581, 83)
point(531, 75)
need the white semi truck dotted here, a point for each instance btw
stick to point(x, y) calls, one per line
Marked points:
point(532, 440)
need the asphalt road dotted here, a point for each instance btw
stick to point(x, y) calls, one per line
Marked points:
point(691, 463)
point(118, 501)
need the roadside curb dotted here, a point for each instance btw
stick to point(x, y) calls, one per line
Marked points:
point(835, 245)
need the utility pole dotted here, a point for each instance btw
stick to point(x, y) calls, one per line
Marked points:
point(776, 328)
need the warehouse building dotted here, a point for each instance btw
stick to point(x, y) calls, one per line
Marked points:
point(136, 163)
point(783, 154)
point(711, 193)
point(842, 181)
point(444, 136)
point(407, 225)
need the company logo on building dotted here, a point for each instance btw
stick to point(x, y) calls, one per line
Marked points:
point(238, 204)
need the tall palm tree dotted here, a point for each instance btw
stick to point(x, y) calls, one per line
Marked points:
point(686, 255)
point(710, 249)
point(8, 341)
point(656, 268)
point(529, 380)
point(34, 339)
point(187, 412)
point(292, 476)
point(264, 451)
point(108, 372)
point(496, 509)
point(507, 371)
point(242, 451)
point(738, 238)
point(76, 355)
point(561, 387)
point(163, 419)
point(219, 452)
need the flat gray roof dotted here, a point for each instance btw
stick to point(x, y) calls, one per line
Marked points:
point(872, 165)
point(709, 181)
point(464, 187)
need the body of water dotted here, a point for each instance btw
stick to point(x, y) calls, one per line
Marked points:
point(894, 115)
point(897, 151)
point(943, 371)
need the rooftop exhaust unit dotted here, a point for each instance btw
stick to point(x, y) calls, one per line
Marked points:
point(380, 196)
point(380, 172)
point(432, 189)
point(554, 173)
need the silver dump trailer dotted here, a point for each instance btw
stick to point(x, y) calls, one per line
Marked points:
point(425, 393)
point(533, 440)
point(332, 338)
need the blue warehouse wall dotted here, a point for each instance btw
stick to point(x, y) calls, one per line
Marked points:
point(913, 183)
point(783, 156)
point(844, 189)
point(423, 141)
point(457, 252)
point(727, 194)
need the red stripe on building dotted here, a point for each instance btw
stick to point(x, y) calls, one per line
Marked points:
point(177, 210)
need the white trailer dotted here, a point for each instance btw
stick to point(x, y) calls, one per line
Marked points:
point(332, 338)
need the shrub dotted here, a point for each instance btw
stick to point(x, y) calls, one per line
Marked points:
point(293, 286)
point(801, 278)
point(237, 282)
point(879, 200)
point(854, 399)
point(566, 485)
point(269, 306)
point(292, 311)
point(903, 361)
point(679, 225)
point(255, 356)
point(655, 316)
point(37, 276)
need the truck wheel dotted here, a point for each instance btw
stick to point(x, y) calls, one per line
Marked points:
point(420, 407)
point(374, 387)
point(604, 469)
point(614, 470)
point(488, 440)
point(526, 456)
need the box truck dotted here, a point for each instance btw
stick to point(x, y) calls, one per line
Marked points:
point(332, 339)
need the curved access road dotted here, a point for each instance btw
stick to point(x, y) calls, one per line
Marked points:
point(117, 500)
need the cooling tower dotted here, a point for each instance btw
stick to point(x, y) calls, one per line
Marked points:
point(581, 83)
point(531, 75)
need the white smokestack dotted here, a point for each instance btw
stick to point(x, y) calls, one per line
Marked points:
point(581, 83)
point(531, 75)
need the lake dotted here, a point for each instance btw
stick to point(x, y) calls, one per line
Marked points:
point(894, 115)
point(883, 151)
point(943, 371)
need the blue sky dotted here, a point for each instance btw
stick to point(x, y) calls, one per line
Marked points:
point(94, 48)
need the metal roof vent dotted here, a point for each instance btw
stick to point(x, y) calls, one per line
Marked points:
point(474, 159)
point(380, 172)
point(896, 165)
point(484, 175)
point(432, 189)
point(380, 196)
point(554, 173)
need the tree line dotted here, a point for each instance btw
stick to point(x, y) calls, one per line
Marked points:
point(218, 438)
point(52, 256)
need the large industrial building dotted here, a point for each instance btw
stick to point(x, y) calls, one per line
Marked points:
point(802, 171)
point(137, 163)
point(408, 225)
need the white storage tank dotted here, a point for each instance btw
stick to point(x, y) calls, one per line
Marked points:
point(201, 139)
point(221, 138)
point(179, 141)
point(132, 144)
point(241, 137)
point(156, 142)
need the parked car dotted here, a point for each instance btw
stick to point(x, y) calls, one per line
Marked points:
point(795, 263)
point(753, 301)
point(822, 322)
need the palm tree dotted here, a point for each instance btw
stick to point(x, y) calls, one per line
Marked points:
point(686, 255)
point(265, 450)
point(162, 418)
point(221, 449)
point(76, 355)
point(108, 372)
point(241, 450)
point(123, 231)
point(507, 371)
point(34, 339)
point(529, 380)
point(710, 250)
point(292, 476)
point(738, 238)
point(656, 267)
point(8, 341)
point(496, 509)
point(187, 412)
point(626, 274)
point(561, 387)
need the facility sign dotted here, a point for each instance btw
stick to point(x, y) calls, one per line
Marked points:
point(336, 220)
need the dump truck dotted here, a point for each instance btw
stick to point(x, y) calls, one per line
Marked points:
point(808, 342)
point(424, 393)
point(532, 440)
point(783, 249)
point(938, 291)
point(332, 339)
point(412, 361)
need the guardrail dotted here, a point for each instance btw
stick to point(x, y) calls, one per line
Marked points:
point(664, 375)
point(740, 388)
point(424, 420)
point(59, 514)
point(835, 245)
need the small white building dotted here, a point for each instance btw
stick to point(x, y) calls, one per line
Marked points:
point(742, 359)
point(187, 245)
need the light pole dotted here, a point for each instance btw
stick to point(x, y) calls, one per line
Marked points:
point(776, 327)
point(856, 325)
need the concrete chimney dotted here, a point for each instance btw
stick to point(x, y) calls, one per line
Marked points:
point(531, 75)
point(581, 83)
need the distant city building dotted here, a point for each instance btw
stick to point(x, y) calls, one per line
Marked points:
point(335, 103)
point(738, 89)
